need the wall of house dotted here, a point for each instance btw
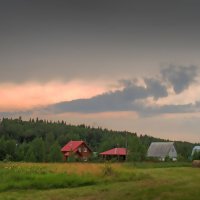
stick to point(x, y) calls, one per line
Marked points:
point(172, 152)
point(115, 157)
point(84, 152)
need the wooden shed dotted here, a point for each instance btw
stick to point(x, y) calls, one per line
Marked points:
point(117, 153)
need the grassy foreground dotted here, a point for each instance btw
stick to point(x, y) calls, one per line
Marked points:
point(99, 181)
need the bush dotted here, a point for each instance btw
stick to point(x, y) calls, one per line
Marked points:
point(196, 155)
point(8, 158)
point(107, 169)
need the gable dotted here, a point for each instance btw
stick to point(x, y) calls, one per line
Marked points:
point(161, 149)
point(172, 152)
point(83, 148)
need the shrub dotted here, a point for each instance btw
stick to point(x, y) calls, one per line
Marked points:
point(196, 155)
point(107, 169)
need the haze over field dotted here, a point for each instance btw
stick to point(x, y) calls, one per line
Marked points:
point(123, 65)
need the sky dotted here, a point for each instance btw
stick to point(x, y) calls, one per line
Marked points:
point(121, 65)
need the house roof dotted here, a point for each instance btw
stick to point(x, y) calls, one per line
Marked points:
point(73, 146)
point(115, 151)
point(159, 149)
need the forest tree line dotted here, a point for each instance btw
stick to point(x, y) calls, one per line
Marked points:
point(39, 140)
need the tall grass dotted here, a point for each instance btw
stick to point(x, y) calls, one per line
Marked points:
point(164, 181)
point(158, 164)
point(48, 176)
point(39, 178)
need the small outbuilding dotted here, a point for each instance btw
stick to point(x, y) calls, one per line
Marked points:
point(162, 150)
point(195, 149)
point(78, 149)
point(116, 153)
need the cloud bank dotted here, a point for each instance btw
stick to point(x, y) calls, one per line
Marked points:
point(139, 98)
point(148, 96)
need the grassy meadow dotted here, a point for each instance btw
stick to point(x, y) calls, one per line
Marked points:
point(59, 181)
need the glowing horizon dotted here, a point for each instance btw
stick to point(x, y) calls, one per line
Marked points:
point(33, 94)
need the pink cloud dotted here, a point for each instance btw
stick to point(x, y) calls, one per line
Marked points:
point(28, 95)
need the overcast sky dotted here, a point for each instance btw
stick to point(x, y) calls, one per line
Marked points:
point(124, 65)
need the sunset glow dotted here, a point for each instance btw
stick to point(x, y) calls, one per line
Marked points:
point(29, 95)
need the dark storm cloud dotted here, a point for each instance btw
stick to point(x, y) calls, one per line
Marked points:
point(120, 100)
point(129, 98)
point(89, 106)
point(180, 77)
point(133, 96)
point(146, 111)
point(42, 40)
point(92, 106)
point(156, 88)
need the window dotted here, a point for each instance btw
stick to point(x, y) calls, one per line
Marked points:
point(85, 149)
point(79, 149)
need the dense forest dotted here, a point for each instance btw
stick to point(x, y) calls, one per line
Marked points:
point(41, 140)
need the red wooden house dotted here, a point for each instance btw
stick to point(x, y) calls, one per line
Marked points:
point(117, 153)
point(79, 149)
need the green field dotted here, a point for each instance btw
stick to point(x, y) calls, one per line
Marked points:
point(99, 181)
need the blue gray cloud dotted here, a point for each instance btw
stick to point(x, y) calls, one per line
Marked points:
point(129, 98)
point(180, 77)
point(168, 109)
point(132, 97)
point(156, 88)
point(120, 100)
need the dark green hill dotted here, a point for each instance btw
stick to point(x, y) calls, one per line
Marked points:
point(34, 140)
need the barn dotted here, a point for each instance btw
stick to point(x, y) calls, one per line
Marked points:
point(162, 150)
point(79, 149)
point(116, 153)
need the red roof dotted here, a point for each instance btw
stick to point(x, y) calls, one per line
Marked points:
point(73, 146)
point(115, 151)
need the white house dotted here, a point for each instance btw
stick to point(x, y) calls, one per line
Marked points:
point(161, 150)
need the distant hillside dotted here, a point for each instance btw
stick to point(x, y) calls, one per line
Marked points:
point(40, 140)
